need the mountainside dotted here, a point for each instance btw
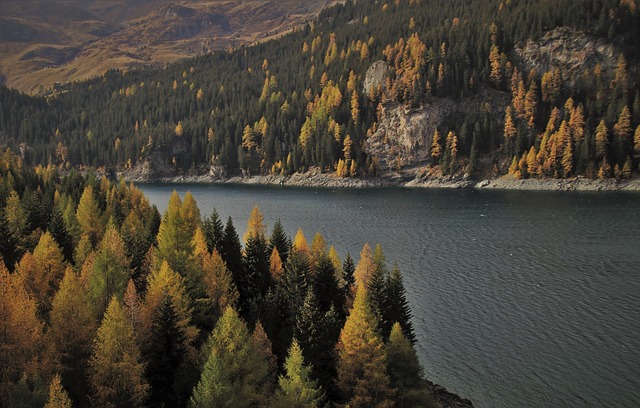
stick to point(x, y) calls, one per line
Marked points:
point(43, 43)
point(396, 90)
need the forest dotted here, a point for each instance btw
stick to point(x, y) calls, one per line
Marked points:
point(106, 303)
point(298, 102)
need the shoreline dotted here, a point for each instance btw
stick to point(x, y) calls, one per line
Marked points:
point(316, 179)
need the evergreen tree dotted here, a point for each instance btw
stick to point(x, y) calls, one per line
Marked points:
point(232, 251)
point(166, 355)
point(395, 306)
point(213, 231)
point(254, 281)
point(349, 271)
point(58, 230)
point(280, 241)
point(116, 370)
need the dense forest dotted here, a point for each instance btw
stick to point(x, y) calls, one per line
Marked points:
point(299, 102)
point(105, 303)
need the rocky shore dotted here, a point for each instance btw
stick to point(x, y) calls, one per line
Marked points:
point(315, 178)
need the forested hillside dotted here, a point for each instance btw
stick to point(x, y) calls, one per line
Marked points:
point(537, 89)
point(103, 303)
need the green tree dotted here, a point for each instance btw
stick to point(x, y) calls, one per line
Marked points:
point(116, 371)
point(213, 231)
point(297, 388)
point(280, 241)
point(236, 374)
point(396, 307)
point(232, 251)
point(405, 371)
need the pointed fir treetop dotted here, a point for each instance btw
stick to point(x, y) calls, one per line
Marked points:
point(280, 241)
point(297, 388)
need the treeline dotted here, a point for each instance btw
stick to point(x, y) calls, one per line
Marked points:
point(104, 303)
point(299, 101)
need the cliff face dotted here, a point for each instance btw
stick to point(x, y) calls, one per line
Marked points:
point(569, 50)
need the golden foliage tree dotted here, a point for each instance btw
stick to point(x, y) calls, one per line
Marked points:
point(58, 397)
point(362, 371)
point(116, 371)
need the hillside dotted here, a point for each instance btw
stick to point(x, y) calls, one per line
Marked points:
point(43, 43)
point(403, 90)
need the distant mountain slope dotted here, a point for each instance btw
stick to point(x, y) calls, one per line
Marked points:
point(405, 90)
point(45, 42)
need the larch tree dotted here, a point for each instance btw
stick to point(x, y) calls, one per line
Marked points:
point(42, 272)
point(20, 330)
point(405, 372)
point(89, 216)
point(174, 237)
point(297, 387)
point(110, 272)
point(300, 242)
point(16, 220)
point(436, 149)
point(116, 370)
point(365, 267)
point(602, 140)
point(219, 286)
point(255, 225)
point(58, 397)
point(275, 265)
point(362, 371)
point(71, 331)
point(235, 374)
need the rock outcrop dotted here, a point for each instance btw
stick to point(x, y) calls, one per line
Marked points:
point(571, 51)
point(375, 77)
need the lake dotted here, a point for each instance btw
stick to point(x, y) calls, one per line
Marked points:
point(519, 299)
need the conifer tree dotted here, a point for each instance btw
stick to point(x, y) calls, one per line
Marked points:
point(280, 241)
point(255, 279)
point(405, 372)
point(300, 242)
point(110, 271)
point(219, 286)
point(297, 388)
point(166, 355)
point(365, 267)
point(16, 223)
point(176, 233)
point(20, 330)
point(396, 307)
point(116, 371)
point(58, 231)
point(236, 374)
point(232, 251)
point(71, 331)
point(349, 271)
point(89, 216)
point(213, 231)
point(255, 225)
point(275, 265)
point(58, 397)
point(362, 371)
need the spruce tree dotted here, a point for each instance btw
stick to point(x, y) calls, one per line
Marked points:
point(395, 306)
point(232, 251)
point(280, 241)
point(213, 231)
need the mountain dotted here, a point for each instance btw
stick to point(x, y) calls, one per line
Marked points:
point(47, 42)
point(400, 90)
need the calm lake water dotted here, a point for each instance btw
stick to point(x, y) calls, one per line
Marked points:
point(519, 299)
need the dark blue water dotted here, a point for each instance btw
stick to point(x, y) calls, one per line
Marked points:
point(520, 299)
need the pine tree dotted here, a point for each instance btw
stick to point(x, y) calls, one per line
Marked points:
point(58, 397)
point(116, 371)
point(405, 372)
point(362, 371)
point(297, 388)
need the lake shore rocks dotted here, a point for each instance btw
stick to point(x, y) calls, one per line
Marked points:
point(316, 178)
